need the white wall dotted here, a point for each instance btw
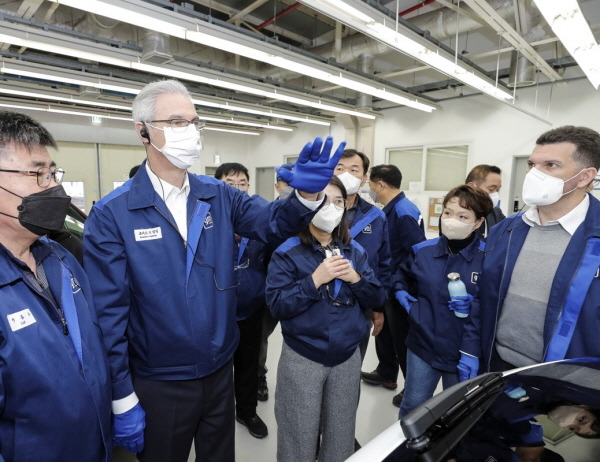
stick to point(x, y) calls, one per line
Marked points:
point(495, 131)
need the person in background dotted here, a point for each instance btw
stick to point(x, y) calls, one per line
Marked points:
point(269, 322)
point(539, 288)
point(405, 226)
point(489, 179)
point(134, 170)
point(321, 288)
point(421, 288)
point(54, 376)
point(251, 272)
point(159, 251)
point(367, 226)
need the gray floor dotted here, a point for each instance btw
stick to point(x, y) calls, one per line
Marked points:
point(375, 413)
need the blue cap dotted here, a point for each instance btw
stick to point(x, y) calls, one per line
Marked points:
point(288, 166)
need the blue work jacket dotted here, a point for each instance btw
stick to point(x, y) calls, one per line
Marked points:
point(251, 274)
point(435, 332)
point(168, 307)
point(503, 246)
point(371, 232)
point(53, 407)
point(324, 325)
point(405, 225)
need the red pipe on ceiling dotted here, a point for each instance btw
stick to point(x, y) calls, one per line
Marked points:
point(289, 9)
point(416, 7)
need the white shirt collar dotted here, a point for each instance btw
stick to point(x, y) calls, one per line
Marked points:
point(164, 189)
point(570, 222)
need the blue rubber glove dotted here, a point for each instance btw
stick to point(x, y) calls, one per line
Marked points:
point(461, 303)
point(128, 429)
point(468, 366)
point(405, 299)
point(314, 168)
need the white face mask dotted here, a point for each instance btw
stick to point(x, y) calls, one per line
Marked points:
point(456, 230)
point(495, 197)
point(328, 218)
point(542, 189)
point(182, 148)
point(350, 182)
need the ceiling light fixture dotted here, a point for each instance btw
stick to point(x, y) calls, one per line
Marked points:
point(42, 72)
point(148, 16)
point(568, 23)
point(378, 26)
point(57, 43)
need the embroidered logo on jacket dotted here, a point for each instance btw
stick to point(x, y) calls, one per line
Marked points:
point(208, 221)
point(367, 230)
point(474, 277)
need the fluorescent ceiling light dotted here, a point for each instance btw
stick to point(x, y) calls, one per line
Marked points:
point(33, 94)
point(152, 17)
point(39, 71)
point(376, 25)
point(228, 130)
point(58, 110)
point(25, 37)
point(568, 23)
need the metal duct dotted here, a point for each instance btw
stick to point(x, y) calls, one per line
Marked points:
point(156, 49)
point(522, 71)
point(365, 64)
point(441, 24)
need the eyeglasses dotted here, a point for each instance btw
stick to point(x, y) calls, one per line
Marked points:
point(339, 203)
point(44, 175)
point(239, 185)
point(179, 125)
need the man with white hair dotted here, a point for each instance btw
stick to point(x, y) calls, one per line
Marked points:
point(159, 253)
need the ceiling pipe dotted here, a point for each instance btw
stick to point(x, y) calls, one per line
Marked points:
point(441, 24)
point(282, 13)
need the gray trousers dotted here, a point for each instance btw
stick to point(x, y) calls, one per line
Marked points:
point(309, 394)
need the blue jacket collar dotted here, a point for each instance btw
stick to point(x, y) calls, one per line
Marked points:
point(10, 267)
point(468, 253)
point(142, 194)
point(390, 206)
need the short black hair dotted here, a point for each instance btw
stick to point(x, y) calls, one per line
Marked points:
point(231, 168)
point(586, 141)
point(363, 157)
point(479, 173)
point(134, 170)
point(389, 174)
point(20, 129)
point(471, 198)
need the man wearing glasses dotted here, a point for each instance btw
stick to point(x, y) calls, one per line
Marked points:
point(54, 376)
point(250, 265)
point(159, 252)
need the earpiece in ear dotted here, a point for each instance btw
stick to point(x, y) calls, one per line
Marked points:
point(144, 133)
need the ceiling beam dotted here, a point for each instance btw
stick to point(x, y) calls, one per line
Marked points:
point(496, 22)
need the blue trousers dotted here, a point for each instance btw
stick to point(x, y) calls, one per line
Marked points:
point(421, 382)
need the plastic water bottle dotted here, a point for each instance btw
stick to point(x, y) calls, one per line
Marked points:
point(457, 288)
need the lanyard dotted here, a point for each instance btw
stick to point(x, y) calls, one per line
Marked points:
point(194, 233)
point(68, 285)
point(242, 249)
point(563, 333)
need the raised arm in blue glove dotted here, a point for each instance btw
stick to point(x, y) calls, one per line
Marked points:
point(128, 429)
point(314, 167)
point(405, 299)
point(461, 303)
point(468, 366)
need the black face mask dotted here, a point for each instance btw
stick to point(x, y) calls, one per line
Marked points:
point(44, 211)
